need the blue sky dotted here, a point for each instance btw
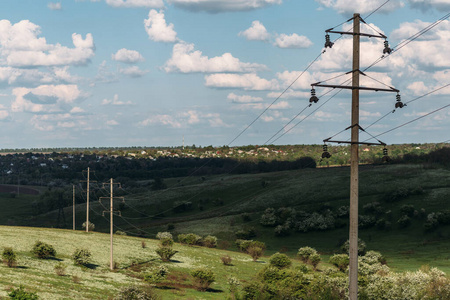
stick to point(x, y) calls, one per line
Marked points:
point(77, 73)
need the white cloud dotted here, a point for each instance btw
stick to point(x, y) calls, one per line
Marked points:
point(161, 120)
point(127, 56)
point(302, 79)
point(77, 110)
point(185, 60)
point(443, 5)
point(292, 41)
point(112, 123)
point(136, 3)
point(240, 81)
point(216, 6)
point(133, 71)
point(44, 98)
point(430, 51)
point(115, 101)
point(361, 6)
point(290, 94)
point(243, 98)
point(21, 47)
point(157, 28)
point(54, 5)
point(257, 32)
point(262, 106)
point(185, 119)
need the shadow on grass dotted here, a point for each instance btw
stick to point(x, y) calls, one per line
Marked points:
point(54, 258)
point(21, 267)
point(90, 266)
point(210, 290)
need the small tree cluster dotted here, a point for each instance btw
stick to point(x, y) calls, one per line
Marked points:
point(203, 278)
point(341, 261)
point(193, 239)
point(21, 294)
point(91, 226)
point(345, 248)
point(280, 260)
point(43, 250)
point(254, 248)
point(81, 257)
point(309, 255)
point(164, 249)
point(135, 292)
point(156, 275)
point(9, 257)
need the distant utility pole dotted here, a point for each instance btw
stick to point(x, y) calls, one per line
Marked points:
point(73, 206)
point(87, 199)
point(111, 214)
point(355, 127)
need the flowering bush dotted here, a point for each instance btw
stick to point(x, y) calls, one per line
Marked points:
point(280, 260)
point(305, 252)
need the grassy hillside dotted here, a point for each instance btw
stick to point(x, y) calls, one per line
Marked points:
point(224, 204)
point(97, 281)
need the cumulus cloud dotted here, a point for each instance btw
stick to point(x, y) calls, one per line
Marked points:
point(292, 41)
point(136, 3)
point(21, 47)
point(443, 5)
point(133, 71)
point(430, 51)
point(243, 98)
point(185, 60)
point(127, 56)
point(44, 98)
point(115, 101)
point(157, 28)
point(240, 81)
point(257, 32)
point(112, 123)
point(361, 6)
point(185, 119)
point(262, 106)
point(217, 6)
point(54, 5)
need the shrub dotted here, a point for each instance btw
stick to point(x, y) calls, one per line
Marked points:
point(252, 291)
point(143, 244)
point(21, 294)
point(81, 257)
point(210, 241)
point(192, 239)
point(404, 221)
point(305, 252)
point(282, 230)
point(120, 232)
point(255, 252)
point(91, 226)
point(243, 245)
point(134, 293)
point(234, 283)
point(157, 275)
point(407, 210)
point(341, 261)
point(269, 218)
point(165, 239)
point(245, 234)
point(280, 261)
point(60, 269)
point(361, 247)
point(203, 278)
point(315, 260)
point(226, 260)
point(43, 250)
point(166, 253)
point(9, 257)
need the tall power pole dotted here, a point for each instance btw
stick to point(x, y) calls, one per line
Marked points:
point(73, 206)
point(354, 166)
point(354, 141)
point(111, 218)
point(87, 198)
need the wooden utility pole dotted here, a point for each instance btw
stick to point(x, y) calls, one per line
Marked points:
point(354, 165)
point(111, 228)
point(111, 223)
point(87, 197)
point(354, 141)
point(73, 206)
point(87, 202)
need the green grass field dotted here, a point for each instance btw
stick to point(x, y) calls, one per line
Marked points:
point(218, 203)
